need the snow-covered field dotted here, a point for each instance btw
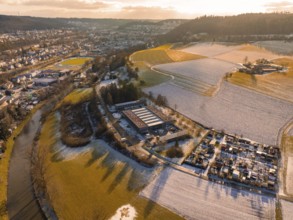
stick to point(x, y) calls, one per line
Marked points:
point(234, 109)
point(210, 49)
point(280, 47)
point(287, 208)
point(289, 176)
point(237, 54)
point(209, 71)
point(195, 198)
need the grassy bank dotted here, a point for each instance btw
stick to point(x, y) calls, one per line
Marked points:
point(96, 182)
point(77, 96)
point(4, 163)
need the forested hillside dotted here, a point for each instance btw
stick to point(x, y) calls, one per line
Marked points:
point(12, 23)
point(245, 24)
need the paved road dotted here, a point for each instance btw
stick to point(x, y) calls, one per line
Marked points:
point(22, 203)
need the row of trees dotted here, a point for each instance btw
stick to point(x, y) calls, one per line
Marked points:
point(159, 100)
point(127, 92)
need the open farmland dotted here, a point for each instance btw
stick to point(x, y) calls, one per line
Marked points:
point(197, 75)
point(145, 59)
point(150, 76)
point(234, 54)
point(287, 208)
point(195, 198)
point(93, 182)
point(275, 84)
point(162, 54)
point(234, 109)
point(210, 49)
point(279, 47)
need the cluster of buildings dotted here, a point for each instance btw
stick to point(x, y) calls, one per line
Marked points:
point(261, 67)
point(12, 60)
point(146, 118)
point(147, 122)
point(32, 47)
point(101, 41)
point(24, 89)
point(239, 160)
point(200, 157)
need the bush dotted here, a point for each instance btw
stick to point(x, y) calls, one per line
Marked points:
point(174, 152)
point(71, 141)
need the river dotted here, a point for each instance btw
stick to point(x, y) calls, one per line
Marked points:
point(22, 203)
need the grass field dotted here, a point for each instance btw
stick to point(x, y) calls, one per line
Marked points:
point(145, 59)
point(96, 183)
point(151, 77)
point(163, 54)
point(75, 61)
point(276, 84)
point(78, 95)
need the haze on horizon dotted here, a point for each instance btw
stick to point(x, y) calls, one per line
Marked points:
point(140, 9)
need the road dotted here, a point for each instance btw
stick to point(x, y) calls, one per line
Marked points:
point(22, 203)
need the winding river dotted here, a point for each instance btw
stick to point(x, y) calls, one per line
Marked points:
point(22, 203)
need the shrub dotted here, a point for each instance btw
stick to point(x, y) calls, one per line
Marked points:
point(174, 152)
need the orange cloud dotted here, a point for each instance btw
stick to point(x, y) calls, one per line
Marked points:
point(279, 6)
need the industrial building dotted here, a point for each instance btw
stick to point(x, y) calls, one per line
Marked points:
point(44, 81)
point(128, 105)
point(146, 118)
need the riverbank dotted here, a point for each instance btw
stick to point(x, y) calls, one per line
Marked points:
point(4, 163)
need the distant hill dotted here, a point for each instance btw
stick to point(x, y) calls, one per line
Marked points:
point(245, 24)
point(14, 23)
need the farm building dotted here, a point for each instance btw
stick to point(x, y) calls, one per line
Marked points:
point(146, 118)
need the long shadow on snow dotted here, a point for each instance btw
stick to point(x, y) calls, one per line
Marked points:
point(119, 177)
point(155, 194)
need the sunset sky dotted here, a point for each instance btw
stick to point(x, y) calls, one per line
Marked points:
point(139, 9)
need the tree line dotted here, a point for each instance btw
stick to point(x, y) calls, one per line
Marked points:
point(244, 24)
point(113, 94)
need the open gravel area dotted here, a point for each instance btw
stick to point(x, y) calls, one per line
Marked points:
point(234, 109)
point(195, 198)
point(208, 70)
